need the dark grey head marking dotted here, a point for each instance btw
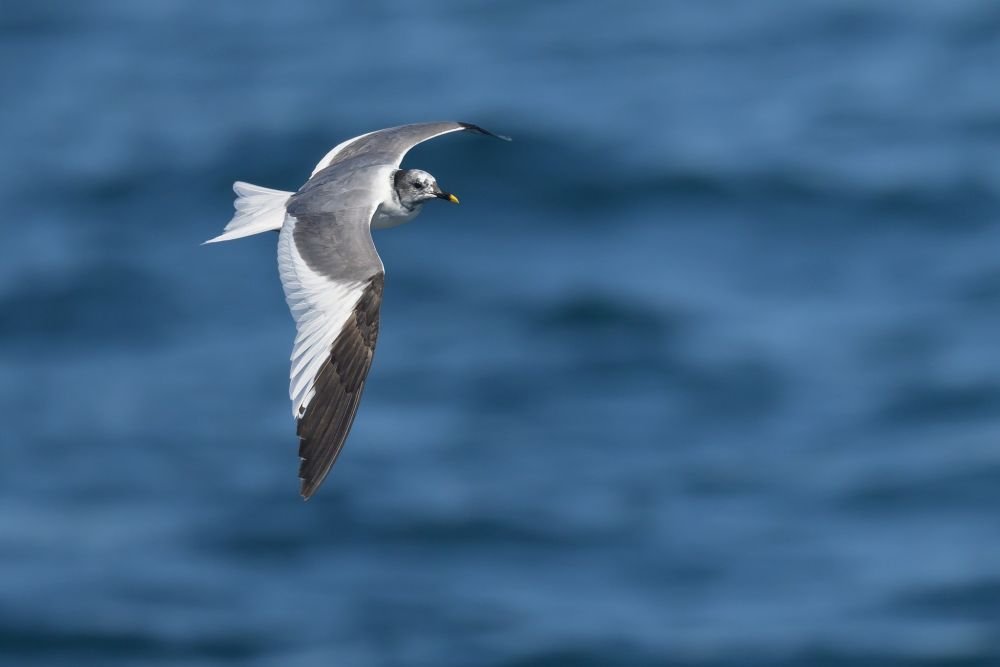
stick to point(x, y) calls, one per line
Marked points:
point(416, 186)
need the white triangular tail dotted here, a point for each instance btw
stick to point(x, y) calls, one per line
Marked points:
point(257, 210)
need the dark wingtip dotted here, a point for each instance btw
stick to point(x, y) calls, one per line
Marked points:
point(307, 487)
point(479, 130)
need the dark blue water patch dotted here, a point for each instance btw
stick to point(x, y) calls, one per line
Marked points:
point(158, 200)
point(592, 653)
point(734, 390)
point(977, 28)
point(723, 394)
point(261, 541)
point(977, 600)
point(929, 402)
point(35, 643)
point(985, 127)
point(525, 392)
point(963, 204)
point(583, 654)
point(831, 655)
point(346, 528)
point(981, 290)
point(105, 304)
point(595, 314)
point(143, 586)
point(598, 197)
point(905, 346)
point(38, 21)
point(486, 532)
point(600, 325)
point(940, 493)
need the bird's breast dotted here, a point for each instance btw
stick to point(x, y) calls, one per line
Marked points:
point(392, 213)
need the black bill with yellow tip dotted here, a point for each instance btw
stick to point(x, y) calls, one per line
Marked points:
point(447, 196)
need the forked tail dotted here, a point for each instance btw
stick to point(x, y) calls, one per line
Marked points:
point(257, 210)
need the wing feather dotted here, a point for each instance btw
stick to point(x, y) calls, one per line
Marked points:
point(324, 425)
point(390, 146)
point(335, 304)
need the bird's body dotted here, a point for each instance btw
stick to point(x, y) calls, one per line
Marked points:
point(331, 274)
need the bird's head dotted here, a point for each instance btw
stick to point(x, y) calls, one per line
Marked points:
point(415, 186)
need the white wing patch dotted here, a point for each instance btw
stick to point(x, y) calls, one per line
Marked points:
point(319, 307)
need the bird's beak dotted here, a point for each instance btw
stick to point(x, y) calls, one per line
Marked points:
point(447, 196)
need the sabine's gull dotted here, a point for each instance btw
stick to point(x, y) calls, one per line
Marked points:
point(332, 275)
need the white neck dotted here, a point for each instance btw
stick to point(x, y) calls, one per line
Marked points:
point(392, 213)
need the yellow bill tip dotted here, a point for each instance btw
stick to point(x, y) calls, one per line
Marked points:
point(453, 199)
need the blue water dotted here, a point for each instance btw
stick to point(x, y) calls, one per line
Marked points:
point(704, 371)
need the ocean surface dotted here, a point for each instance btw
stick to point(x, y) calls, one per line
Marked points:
point(703, 372)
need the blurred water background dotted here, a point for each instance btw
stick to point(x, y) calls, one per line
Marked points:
point(704, 371)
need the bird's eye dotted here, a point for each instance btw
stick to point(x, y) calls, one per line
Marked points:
point(418, 185)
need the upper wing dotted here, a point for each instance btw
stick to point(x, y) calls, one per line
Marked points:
point(389, 146)
point(333, 280)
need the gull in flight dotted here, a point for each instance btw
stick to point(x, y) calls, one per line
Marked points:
point(332, 275)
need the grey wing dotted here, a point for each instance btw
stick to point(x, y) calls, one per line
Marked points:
point(389, 146)
point(333, 281)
